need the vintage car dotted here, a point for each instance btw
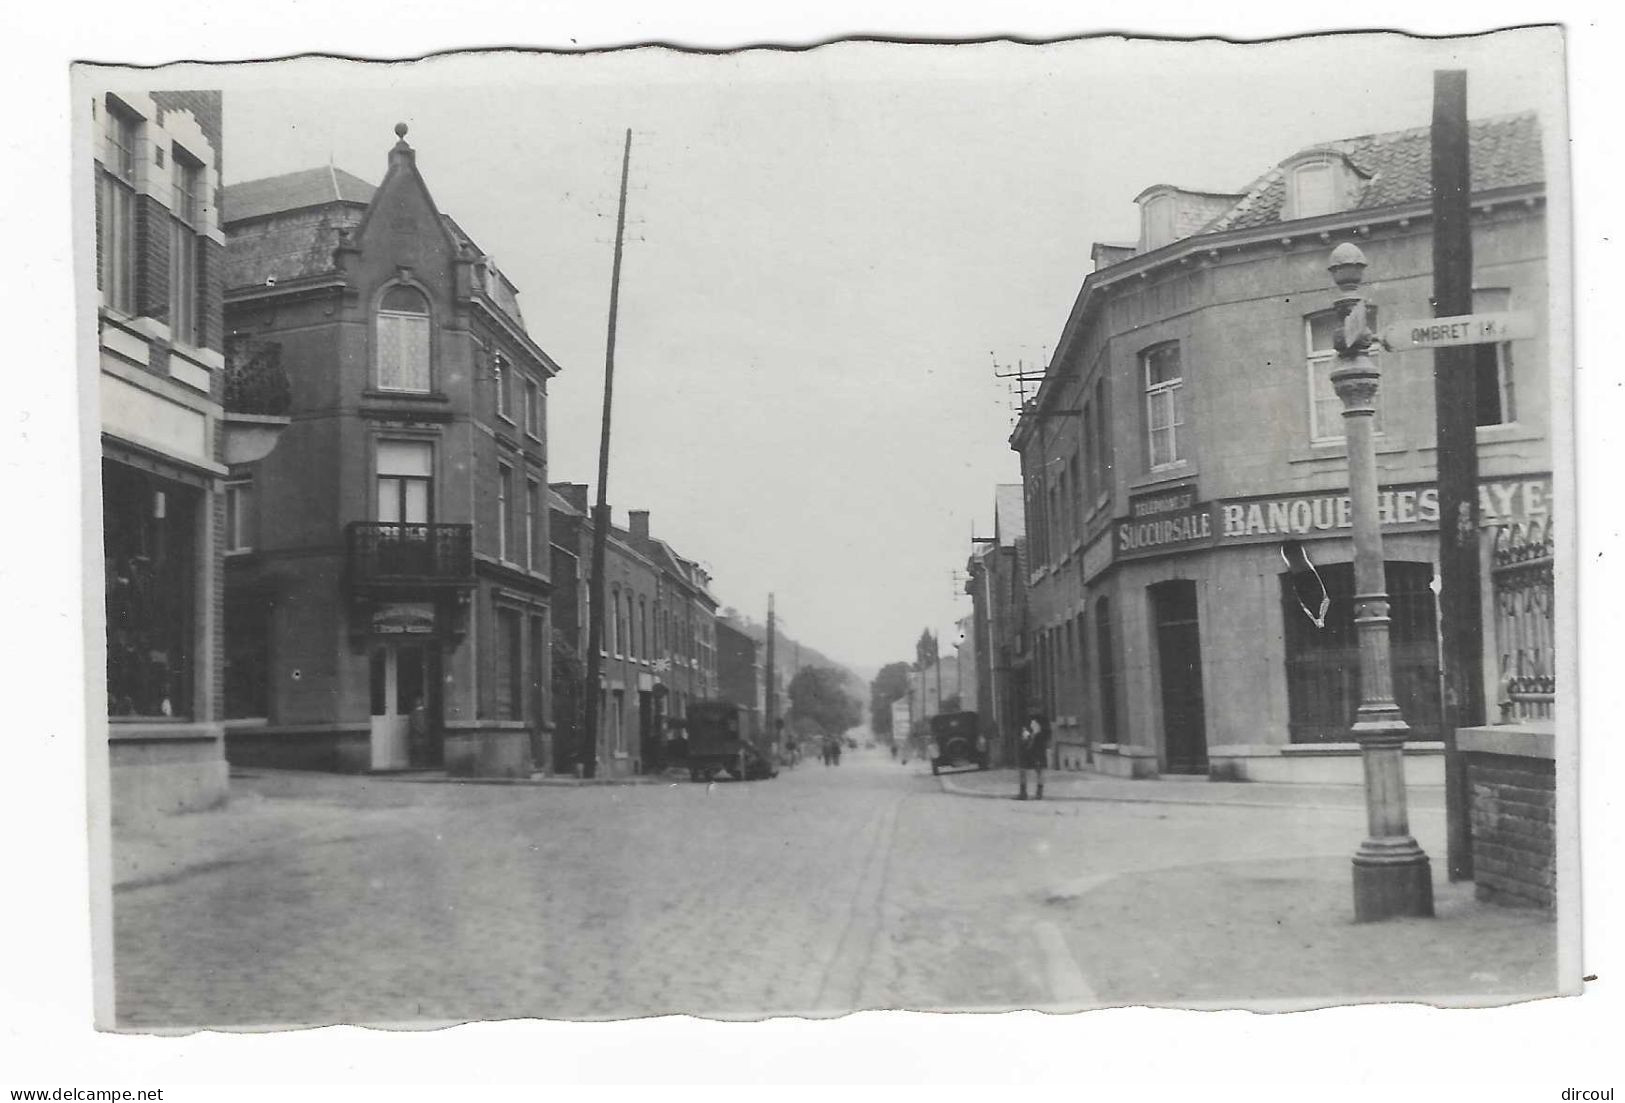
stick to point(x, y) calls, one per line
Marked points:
point(722, 739)
point(957, 741)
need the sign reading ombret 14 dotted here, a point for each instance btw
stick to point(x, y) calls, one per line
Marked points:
point(1464, 329)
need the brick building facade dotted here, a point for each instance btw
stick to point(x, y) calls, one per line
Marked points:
point(997, 587)
point(659, 638)
point(739, 671)
point(165, 434)
point(388, 564)
point(1187, 426)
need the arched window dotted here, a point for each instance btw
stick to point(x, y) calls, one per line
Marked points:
point(403, 341)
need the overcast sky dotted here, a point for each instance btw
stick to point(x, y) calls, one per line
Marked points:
point(826, 250)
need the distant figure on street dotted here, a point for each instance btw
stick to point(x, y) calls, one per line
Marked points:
point(835, 749)
point(1034, 752)
point(894, 749)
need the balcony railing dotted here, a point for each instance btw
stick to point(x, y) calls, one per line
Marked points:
point(393, 552)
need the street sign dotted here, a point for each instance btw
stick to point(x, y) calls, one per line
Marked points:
point(1464, 329)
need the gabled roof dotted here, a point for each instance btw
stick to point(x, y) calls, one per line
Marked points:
point(286, 227)
point(292, 191)
point(1009, 514)
point(1397, 167)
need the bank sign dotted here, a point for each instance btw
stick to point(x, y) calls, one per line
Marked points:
point(1400, 509)
point(1172, 520)
point(1167, 521)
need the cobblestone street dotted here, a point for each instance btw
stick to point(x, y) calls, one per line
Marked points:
point(321, 899)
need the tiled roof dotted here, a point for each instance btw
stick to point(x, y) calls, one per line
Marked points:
point(292, 191)
point(286, 227)
point(1396, 168)
point(288, 246)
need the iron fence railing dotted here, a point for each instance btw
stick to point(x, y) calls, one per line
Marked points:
point(382, 551)
point(1521, 581)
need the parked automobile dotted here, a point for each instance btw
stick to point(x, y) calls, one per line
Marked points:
point(722, 739)
point(957, 741)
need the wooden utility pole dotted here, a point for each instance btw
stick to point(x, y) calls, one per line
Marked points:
point(600, 512)
point(1456, 404)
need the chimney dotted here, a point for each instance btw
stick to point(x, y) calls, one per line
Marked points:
point(638, 521)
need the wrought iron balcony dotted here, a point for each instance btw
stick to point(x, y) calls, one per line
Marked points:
point(393, 554)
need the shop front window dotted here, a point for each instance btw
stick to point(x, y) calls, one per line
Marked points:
point(149, 532)
point(1323, 664)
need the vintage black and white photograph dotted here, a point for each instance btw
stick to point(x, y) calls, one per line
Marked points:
point(600, 535)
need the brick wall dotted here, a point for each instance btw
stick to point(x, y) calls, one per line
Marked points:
point(212, 281)
point(1513, 827)
point(206, 108)
point(152, 258)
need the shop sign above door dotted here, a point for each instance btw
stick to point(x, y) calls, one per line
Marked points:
point(1165, 521)
point(404, 619)
point(1402, 508)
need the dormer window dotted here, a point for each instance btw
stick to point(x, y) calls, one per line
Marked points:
point(1157, 221)
point(1313, 190)
point(1319, 182)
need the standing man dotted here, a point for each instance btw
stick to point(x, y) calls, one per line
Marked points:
point(1034, 752)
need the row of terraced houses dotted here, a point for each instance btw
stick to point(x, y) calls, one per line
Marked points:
point(1186, 426)
point(330, 539)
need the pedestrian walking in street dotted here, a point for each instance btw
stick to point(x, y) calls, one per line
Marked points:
point(1034, 752)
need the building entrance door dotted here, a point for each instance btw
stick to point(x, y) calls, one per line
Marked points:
point(1179, 654)
point(406, 705)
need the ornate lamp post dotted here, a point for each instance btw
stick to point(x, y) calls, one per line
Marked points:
point(1391, 873)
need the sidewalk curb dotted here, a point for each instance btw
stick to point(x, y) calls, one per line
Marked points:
point(949, 787)
point(548, 782)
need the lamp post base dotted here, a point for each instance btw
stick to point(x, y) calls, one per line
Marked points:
point(1392, 878)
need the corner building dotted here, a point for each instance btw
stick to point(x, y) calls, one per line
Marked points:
point(387, 566)
point(1187, 426)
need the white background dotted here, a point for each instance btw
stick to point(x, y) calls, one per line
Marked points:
point(1532, 1052)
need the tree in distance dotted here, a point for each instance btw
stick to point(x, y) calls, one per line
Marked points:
point(890, 684)
point(816, 693)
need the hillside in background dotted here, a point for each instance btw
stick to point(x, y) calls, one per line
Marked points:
point(788, 652)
